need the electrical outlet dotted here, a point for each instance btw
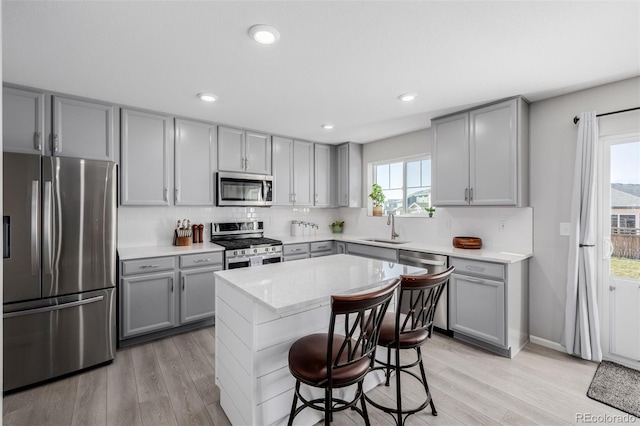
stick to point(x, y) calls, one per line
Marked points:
point(565, 229)
point(502, 224)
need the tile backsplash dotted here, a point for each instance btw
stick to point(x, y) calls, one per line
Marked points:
point(153, 226)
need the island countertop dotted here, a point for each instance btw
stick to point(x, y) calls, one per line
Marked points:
point(289, 286)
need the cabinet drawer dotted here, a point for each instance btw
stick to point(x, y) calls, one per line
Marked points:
point(201, 259)
point(295, 249)
point(474, 267)
point(152, 264)
point(321, 246)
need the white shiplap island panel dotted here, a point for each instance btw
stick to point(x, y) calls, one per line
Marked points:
point(261, 311)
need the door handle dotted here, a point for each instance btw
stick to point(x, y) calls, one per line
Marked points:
point(35, 219)
point(466, 194)
point(47, 228)
point(53, 308)
point(183, 281)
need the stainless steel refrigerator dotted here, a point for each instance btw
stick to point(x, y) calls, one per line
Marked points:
point(59, 266)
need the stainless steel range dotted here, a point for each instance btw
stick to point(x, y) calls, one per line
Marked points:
point(245, 245)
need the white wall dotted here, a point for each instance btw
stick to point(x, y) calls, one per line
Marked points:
point(553, 138)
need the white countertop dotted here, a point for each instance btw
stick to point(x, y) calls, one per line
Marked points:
point(127, 253)
point(288, 286)
point(481, 254)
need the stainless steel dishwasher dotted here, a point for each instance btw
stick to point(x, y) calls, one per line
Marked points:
point(433, 263)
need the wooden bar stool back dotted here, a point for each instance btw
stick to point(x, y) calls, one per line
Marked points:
point(343, 356)
point(409, 330)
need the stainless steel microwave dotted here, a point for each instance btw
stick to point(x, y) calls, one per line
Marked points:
point(244, 189)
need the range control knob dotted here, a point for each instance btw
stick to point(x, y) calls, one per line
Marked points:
point(255, 250)
point(235, 252)
point(242, 251)
point(266, 249)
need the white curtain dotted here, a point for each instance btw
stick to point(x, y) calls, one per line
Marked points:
point(582, 322)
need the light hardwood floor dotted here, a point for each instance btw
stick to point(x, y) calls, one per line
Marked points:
point(171, 381)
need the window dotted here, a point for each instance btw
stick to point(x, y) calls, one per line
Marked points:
point(406, 185)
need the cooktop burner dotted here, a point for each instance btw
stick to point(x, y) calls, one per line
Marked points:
point(244, 243)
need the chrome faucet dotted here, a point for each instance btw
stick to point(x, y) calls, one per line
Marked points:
point(391, 221)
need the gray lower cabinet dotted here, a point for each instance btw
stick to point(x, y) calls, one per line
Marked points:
point(23, 121)
point(341, 247)
point(147, 303)
point(373, 252)
point(161, 293)
point(295, 251)
point(488, 304)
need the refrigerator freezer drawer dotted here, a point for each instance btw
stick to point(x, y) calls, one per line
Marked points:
point(57, 336)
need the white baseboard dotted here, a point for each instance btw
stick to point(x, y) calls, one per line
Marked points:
point(547, 343)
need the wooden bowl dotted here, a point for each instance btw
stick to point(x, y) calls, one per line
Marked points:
point(467, 242)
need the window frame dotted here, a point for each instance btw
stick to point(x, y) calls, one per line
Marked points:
point(404, 161)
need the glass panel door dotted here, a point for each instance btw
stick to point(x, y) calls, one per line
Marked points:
point(620, 230)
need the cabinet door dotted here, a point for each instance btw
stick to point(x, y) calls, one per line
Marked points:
point(477, 309)
point(231, 150)
point(282, 171)
point(450, 165)
point(22, 121)
point(195, 151)
point(146, 142)
point(257, 153)
point(341, 248)
point(343, 175)
point(83, 129)
point(493, 152)
point(303, 173)
point(322, 175)
point(198, 294)
point(147, 303)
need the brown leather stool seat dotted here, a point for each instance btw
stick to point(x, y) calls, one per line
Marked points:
point(410, 330)
point(341, 357)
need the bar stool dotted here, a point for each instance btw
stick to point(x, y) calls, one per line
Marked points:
point(409, 330)
point(343, 356)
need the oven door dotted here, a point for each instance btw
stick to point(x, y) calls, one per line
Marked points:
point(244, 189)
point(245, 261)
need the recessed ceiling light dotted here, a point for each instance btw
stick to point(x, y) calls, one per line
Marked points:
point(328, 126)
point(264, 34)
point(207, 97)
point(407, 97)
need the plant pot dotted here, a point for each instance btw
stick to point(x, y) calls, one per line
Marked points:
point(430, 214)
point(377, 210)
point(337, 229)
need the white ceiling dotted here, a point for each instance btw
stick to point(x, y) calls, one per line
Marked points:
point(343, 62)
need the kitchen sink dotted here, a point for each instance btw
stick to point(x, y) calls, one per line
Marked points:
point(385, 240)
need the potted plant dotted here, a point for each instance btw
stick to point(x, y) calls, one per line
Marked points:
point(337, 226)
point(430, 210)
point(377, 196)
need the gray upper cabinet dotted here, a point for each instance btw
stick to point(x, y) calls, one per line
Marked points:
point(349, 175)
point(292, 172)
point(145, 165)
point(195, 159)
point(23, 121)
point(83, 129)
point(324, 176)
point(243, 151)
point(480, 157)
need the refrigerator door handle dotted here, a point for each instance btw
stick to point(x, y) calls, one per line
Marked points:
point(35, 246)
point(53, 308)
point(46, 231)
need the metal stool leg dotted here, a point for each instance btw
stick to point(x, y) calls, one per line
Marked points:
point(424, 380)
point(295, 402)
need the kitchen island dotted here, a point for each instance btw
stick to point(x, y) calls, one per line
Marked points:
point(261, 311)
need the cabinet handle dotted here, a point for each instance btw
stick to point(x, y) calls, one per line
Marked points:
point(296, 249)
point(177, 194)
point(56, 143)
point(183, 280)
point(474, 268)
point(171, 279)
point(202, 260)
point(471, 194)
point(165, 193)
point(466, 194)
point(321, 247)
point(149, 266)
point(37, 140)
